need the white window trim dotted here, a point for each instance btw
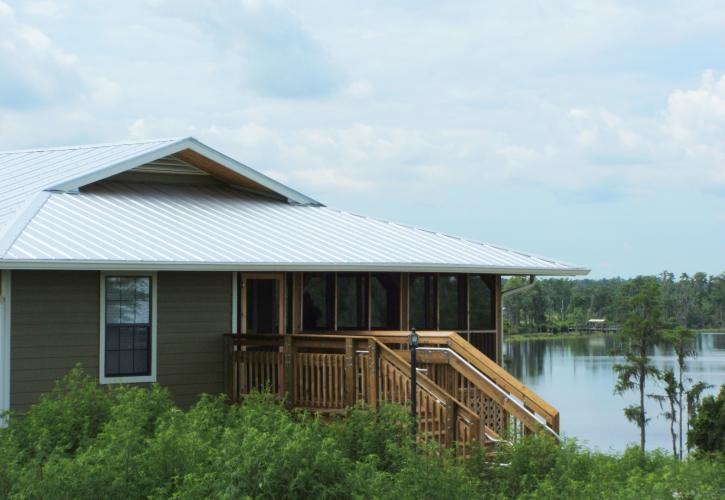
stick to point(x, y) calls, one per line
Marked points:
point(5, 324)
point(154, 321)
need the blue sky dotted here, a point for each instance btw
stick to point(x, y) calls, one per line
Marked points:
point(592, 132)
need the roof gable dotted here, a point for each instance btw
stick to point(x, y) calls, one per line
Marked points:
point(192, 152)
point(25, 175)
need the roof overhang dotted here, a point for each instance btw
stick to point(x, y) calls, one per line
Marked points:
point(282, 267)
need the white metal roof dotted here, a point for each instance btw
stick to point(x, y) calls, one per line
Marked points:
point(24, 173)
point(123, 225)
point(46, 221)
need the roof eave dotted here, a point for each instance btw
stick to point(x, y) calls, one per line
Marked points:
point(284, 266)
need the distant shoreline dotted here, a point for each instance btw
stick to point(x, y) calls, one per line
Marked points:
point(577, 335)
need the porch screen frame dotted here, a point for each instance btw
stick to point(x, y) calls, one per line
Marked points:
point(281, 299)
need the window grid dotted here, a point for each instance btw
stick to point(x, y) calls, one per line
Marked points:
point(128, 326)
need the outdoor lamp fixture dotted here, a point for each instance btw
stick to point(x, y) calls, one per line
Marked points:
point(412, 345)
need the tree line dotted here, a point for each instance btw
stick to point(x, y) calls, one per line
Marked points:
point(559, 305)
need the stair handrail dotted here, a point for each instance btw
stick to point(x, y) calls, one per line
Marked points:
point(427, 384)
point(496, 373)
point(520, 405)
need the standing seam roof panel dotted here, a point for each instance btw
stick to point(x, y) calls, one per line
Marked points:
point(121, 222)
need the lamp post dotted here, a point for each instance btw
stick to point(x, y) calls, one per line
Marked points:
point(412, 345)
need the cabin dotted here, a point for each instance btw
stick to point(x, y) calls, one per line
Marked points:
point(167, 261)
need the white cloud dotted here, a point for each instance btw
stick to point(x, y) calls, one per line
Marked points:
point(137, 130)
point(274, 54)
point(33, 70)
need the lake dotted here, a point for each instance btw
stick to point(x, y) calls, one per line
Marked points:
point(575, 375)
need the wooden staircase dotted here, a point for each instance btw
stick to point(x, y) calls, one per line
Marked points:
point(463, 397)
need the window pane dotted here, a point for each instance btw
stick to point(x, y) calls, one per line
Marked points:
point(112, 338)
point(113, 290)
point(140, 337)
point(423, 301)
point(125, 362)
point(113, 312)
point(140, 361)
point(317, 301)
point(111, 363)
point(125, 338)
point(143, 312)
point(128, 316)
point(385, 301)
point(352, 298)
point(143, 288)
point(128, 288)
point(481, 303)
point(452, 302)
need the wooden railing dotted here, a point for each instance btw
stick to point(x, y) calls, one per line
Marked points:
point(501, 401)
point(332, 372)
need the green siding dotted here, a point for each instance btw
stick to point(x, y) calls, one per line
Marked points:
point(194, 310)
point(55, 324)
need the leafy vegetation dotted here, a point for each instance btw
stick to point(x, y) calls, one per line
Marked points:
point(82, 442)
point(641, 331)
point(557, 305)
point(707, 433)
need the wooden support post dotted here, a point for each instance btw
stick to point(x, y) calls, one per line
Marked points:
point(497, 285)
point(373, 374)
point(289, 370)
point(477, 432)
point(349, 396)
point(450, 422)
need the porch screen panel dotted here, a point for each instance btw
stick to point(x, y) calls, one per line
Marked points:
point(352, 301)
point(385, 301)
point(452, 297)
point(481, 303)
point(128, 326)
point(423, 302)
point(318, 301)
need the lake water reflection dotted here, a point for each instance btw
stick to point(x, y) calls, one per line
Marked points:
point(576, 376)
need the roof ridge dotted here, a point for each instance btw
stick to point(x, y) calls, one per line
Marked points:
point(97, 145)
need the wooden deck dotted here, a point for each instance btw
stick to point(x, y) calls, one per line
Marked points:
point(463, 397)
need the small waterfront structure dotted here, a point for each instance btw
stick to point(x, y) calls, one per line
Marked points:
point(167, 261)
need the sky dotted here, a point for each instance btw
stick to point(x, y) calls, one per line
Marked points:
point(592, 132)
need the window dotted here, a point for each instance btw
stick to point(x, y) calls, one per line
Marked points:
point(352, 301)
point(318, 299)
point(481, 303)
point(423, 303)
point(452, 297)
point(385, 301)
point(127, 337)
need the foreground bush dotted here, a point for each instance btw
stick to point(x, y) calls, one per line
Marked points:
point(81, 441)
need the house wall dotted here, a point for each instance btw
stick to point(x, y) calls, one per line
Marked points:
point(194, 310)
point(56, 324)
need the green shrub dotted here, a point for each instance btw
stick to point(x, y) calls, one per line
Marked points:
point(65, 420)
point(84, 442)
point(708, 427)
